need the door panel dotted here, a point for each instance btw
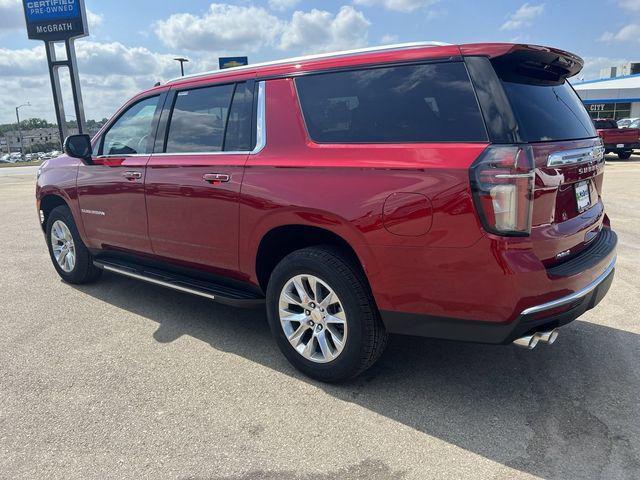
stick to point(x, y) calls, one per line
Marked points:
point(193, 186)
point(111, 191)
point(112, 204)
point(190, 218)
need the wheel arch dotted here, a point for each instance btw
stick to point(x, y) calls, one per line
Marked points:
point(47, 203)
point(282, 240)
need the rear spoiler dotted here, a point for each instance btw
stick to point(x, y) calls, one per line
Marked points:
point(528, 63)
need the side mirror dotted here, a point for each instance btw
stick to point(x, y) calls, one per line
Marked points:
point(79, 146)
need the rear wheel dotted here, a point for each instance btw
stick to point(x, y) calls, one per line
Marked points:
point(323, 316)
point(71, 258)
point(625, 155)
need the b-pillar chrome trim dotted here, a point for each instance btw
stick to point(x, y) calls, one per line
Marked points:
point(261, 120)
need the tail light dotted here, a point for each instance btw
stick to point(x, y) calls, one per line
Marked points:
point(502, 182)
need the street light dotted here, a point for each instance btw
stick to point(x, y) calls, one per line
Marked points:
point(28, 104)
point(182, 61)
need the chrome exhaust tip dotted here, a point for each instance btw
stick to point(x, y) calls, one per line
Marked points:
point(528, 341)
point(548, 337)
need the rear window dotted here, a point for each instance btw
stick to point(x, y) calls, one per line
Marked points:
point(417, 103)
point(605, 124)
point(548, 112)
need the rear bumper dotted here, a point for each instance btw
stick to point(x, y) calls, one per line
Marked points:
point(544, 316)
point(612, 147)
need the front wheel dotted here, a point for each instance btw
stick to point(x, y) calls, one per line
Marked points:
point(323, 316)
point(71, 258)
point(625, 155)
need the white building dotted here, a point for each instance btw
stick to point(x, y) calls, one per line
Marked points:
point(617, 97)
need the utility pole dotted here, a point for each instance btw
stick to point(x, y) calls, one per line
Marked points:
point(182, 62)
point(28, 104)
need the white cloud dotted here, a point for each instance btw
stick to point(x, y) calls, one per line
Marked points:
point(318, 30)
point(110, 73)
point(94, 19)
point(523, 17)
point(397, 5)
point(223, 28)
point(249, 29)
point(11, 15)
point(593, 65)
point(388, 38)
point(633, 5)
point(628, 33)
point(282, 5)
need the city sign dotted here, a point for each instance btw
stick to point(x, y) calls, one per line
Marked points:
point(230, 62)
point(55, 20)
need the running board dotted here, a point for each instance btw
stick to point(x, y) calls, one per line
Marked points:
point(213, 291)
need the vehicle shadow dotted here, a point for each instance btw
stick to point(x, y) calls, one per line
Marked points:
point(571, 410)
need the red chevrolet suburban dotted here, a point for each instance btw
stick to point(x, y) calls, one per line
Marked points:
point(449, 191)
point(622, 141)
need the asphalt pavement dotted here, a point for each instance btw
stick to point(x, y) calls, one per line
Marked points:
point(122, 379)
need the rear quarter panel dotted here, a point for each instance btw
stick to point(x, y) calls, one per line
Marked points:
point(342, 188)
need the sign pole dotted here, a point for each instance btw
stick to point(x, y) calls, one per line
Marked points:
point(72, 64)
point(55, 87)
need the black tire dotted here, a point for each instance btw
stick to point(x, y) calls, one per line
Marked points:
point(84, 271)
point(366, 337)
point(625, 155)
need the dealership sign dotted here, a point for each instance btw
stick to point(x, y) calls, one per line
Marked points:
point(55, 20)
point(230, 62)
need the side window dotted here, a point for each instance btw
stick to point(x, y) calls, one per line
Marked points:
point(131, 133)
point(416, 103)
point(198, 119)
point(238, 136)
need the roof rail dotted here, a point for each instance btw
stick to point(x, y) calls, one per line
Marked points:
point(341, 53)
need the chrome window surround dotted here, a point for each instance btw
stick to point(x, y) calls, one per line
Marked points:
point(574, 296)
point(578, 155)
point(261, 134)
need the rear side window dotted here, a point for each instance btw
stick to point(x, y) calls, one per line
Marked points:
point(604, 124)
point(198, 119)
point(416, 103)
point(548, 112)
point(238, 135)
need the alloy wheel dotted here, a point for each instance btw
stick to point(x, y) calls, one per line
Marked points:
point(64, 249)
point(313, 318)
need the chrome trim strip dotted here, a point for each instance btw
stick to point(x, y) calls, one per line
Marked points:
point(125, 155)
point(574, 296)
point(380, 48)
point(261, 120)
point(578, 155)
point(177, 154)
point(137, 276)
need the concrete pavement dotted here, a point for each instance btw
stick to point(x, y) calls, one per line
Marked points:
point(122, 379)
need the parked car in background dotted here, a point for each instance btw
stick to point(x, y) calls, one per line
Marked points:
point(635, 124)
point(626, 122)
point(427, 189)
point(621, 141)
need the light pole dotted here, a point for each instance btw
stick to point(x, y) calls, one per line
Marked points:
point(28, 104)
point(182, 61)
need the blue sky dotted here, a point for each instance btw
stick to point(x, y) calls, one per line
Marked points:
point(132, 43)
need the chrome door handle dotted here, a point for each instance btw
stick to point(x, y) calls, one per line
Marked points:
point(215, 178)
point(131, 175)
